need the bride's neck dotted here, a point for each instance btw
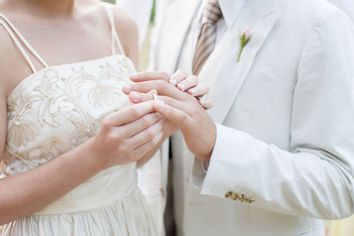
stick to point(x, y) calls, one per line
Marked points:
point(46, 7)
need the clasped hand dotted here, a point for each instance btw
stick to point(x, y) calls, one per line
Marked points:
point(179, 106)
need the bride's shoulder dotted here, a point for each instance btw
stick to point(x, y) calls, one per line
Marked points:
point(127, 30)
point(125, 26)
point(8, 58)
point(124, 23)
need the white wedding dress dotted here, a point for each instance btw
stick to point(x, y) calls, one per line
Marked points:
point(51, 112)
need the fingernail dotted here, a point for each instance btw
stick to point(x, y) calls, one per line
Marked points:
point(135, 96)
point(133, 77)
point(173, 82)
point(127, 88)
point(137, 74)
point(192, 91)
point(181, 86)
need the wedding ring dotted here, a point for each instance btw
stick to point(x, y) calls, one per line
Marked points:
point(202, 97)
point(154, 97)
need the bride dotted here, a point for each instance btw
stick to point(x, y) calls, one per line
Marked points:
point(70, 138)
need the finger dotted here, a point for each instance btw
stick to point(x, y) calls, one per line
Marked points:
point(177, 77)
point(199, 90)
point(190, 82)
point(128, 114)
point(206, 103)
point(145, 135)
point(150, 75)
point(148, 146)
point(179, 117)
point(172, 102)
point(138, 126)
point(162, 87)
point(143, 97)
point(137, 97)
point(152, 92)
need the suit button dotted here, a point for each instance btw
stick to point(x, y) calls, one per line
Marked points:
point(234, 196)
point(228, 194)
point(240, 198)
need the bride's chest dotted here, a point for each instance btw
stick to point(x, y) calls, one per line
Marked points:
point(60, 107)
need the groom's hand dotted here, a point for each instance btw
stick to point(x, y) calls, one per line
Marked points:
point(181, 80)
point(184, 111)
point(199, 131)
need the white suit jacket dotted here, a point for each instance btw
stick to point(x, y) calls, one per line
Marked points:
point(345, 5)
point(284, 153)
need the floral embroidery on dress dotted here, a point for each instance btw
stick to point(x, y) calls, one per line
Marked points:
point(20, 131)
point(60, 107)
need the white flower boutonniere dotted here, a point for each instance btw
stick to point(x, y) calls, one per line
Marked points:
point(245, 38)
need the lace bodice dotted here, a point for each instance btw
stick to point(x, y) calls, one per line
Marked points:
point(60, 107)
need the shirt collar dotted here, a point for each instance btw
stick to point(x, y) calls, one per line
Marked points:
point(230, 10)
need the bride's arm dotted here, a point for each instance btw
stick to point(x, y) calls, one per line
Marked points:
point(27, 193)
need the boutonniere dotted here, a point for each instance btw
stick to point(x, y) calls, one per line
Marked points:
point(245, 38)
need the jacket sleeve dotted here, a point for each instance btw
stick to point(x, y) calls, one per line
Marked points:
point(315, 177)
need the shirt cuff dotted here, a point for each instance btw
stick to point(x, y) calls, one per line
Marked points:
point(205, 166)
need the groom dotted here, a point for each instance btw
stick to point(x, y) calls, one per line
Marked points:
point(276, 152)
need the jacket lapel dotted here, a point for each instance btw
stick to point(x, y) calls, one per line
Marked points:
point(228, 74)
point(176, 31)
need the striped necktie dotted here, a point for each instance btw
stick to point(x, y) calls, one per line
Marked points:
point(207, 36)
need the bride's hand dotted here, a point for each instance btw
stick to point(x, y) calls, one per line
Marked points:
point(127, 135)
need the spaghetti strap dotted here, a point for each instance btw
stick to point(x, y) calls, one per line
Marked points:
point(115, 38)
point(19, 46)
point(19, 40)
